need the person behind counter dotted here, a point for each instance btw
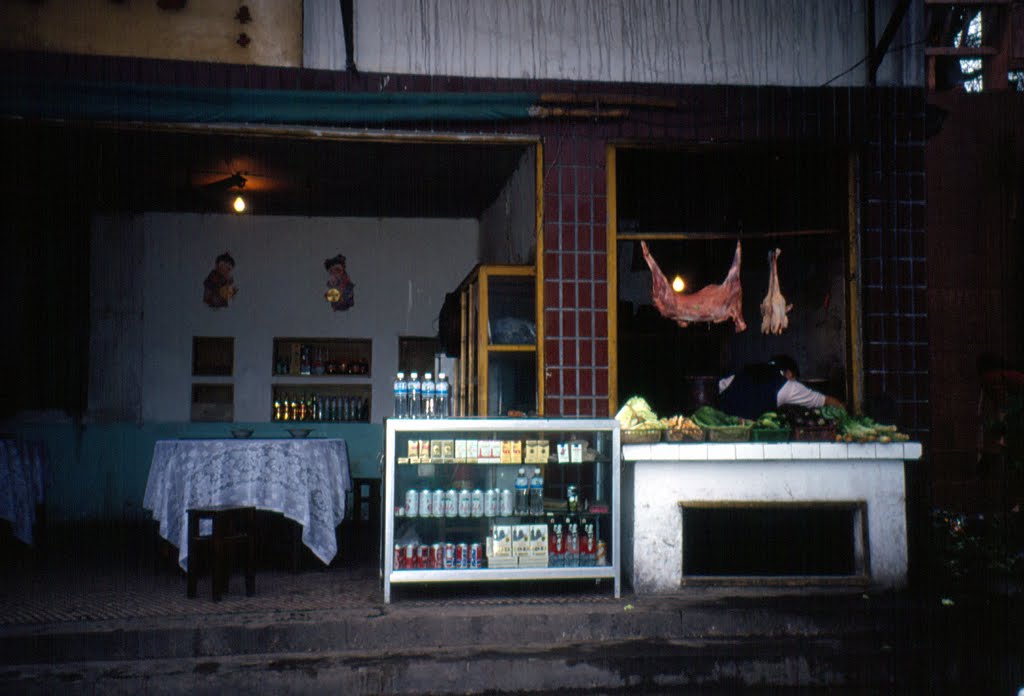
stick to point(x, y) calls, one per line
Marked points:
point(765, 386)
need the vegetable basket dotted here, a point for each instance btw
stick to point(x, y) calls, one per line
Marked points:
point(728, 433)
point(769, 434)
point(815, 433)
point(639, 437)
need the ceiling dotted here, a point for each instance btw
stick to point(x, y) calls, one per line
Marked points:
point(135, 169)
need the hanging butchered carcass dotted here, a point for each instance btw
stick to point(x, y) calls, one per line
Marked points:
point(773, 307)
point(712, 303)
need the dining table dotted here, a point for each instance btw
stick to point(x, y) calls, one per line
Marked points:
point(304, 479)
point(23, 477)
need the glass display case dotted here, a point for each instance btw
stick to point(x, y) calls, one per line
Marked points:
point(476, 499)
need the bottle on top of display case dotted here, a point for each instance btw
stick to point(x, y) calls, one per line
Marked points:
point(427, 395)
point(442, 395)
point(401, 389)
point(415, 395)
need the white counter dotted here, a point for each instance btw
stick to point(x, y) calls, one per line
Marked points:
point(657, 479)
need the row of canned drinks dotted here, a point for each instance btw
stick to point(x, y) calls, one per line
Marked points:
point(437, 556)
point(493, 502)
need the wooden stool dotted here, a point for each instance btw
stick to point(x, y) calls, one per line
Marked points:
point(232, 527)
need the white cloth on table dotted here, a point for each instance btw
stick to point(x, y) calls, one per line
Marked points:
point(22, 483)
point(305, 480)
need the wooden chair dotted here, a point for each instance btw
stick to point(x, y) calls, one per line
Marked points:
point(232, 527)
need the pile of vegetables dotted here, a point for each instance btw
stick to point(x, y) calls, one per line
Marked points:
point(710, 417)
point(852, 428)
point(636, 415)
point(770, 420)
point(684, 427)
point(804, 417)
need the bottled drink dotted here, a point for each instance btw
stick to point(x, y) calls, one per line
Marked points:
point(427, 395)
point(415, 396)
point(537, 492)
point(572, 542)
point(442, 391)
point(522, 502)
point(401, 396)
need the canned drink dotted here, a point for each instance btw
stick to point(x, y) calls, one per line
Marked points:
point(462, 556)
point(449, 555)
point(423, 556)
point(476, 556)
point(426, 498)
point(465, 503)
point(437, 503)
point(437, 555)
point(490, 502)
point(412, 502)
point(588, 544)
point(477, 503)
point(601, 556)
point(505, 505)
point(410, 561)
point(451, 503)
point(399, 559)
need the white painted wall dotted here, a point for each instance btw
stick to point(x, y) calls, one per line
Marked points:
point(508, 228)
point(739, 42)
point(401, 269)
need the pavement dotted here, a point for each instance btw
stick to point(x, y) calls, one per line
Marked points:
point(109, 615)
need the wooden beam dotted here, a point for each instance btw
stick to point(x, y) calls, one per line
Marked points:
point(964, 51)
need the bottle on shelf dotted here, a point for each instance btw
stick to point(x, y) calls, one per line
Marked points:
point(427, 395)
point(522, 501)
point(442, 391)
point(572, 542)
point(537, 492)
point(415, 396)
point(401, 396)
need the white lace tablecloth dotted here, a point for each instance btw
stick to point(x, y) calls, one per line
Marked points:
point(305, 480)
point(22, 483)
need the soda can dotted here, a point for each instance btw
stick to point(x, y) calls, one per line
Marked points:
point(506, 503)
point(412, 502)
point(426, 498)
point(437, 503)
point(437, 555)
point(462, 556)
point(476, 556)
point(423, 556)
point(410, 561)
point(451, 503)
point(465, 503)
point(449, 555)
point(490, 503)
point(601, 556)
point(477, 503)
point(399, 560)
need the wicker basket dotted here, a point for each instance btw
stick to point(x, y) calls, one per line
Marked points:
point(769, 434)
point(684, 435)
point(639, 437)
point(728, 433)
point(815, 433)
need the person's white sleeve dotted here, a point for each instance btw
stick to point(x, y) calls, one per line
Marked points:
point(793, 392)
point(724, 383)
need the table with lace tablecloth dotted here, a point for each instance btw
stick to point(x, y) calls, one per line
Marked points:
point(304, 479)
point(22, 484)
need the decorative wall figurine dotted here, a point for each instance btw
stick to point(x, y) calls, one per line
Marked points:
point(340, 288)
point(219, 286)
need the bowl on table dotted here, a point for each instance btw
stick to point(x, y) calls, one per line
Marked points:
point(299, 432)
point(241, 433)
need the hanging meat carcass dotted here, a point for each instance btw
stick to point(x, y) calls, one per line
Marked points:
point(773, 307)
point(712, 303)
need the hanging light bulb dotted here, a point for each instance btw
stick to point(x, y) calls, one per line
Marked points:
point(239, 204)
point(677, 283)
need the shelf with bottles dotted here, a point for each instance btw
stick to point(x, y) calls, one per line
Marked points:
point(323, 403)
point(319, 357)
point(501, 499)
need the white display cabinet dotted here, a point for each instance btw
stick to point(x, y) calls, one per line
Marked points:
point(465, 471)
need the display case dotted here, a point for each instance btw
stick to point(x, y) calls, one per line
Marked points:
point(476, 500)
point(499, 362)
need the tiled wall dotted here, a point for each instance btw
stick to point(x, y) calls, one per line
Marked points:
point(884, 126)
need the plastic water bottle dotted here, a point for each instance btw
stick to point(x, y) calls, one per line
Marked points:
point(427, 395)
point(401, 396)
point(415, 396)
point(537, 492)
point(442, 391)
point(522, 502)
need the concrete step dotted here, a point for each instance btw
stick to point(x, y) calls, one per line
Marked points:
point(777, 666)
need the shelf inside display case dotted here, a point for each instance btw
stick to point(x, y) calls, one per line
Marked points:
point(501, 499)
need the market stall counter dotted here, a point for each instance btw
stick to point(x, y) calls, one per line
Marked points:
point(751, 512)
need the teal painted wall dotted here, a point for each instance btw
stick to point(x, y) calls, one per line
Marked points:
point(99, 472)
